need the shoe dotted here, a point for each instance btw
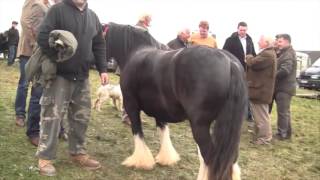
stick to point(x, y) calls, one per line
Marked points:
point(281, 137)
point(20, 121)
point(86, 162)
point(34, 140)
point(63, 136)
point(260, 142)
point(46, 168)
point(126, 120)
point(250, 126)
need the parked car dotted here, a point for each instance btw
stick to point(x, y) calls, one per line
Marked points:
point(310, 78)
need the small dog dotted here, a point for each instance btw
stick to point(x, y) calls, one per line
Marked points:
point(106, 92)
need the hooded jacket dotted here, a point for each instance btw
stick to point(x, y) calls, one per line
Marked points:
point(86, 28)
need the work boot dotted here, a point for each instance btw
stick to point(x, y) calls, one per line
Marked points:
point(85, 161)
point(46, 168)
point(125, 119)
point(282, 137)
point(20, 121)
point(34, 140)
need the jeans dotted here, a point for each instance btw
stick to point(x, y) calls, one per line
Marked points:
point(12, 54)
point(22, 90)
point(33, 126)
point(21, 97)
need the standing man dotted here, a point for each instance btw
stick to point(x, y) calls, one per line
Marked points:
point(285, 86)
point(69, 92)
point(203, 38)
point(33, 12)
point(261, 74)
point(13, 40)
point(240, 43)
point(181, 41)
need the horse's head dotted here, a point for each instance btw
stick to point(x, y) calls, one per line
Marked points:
point(122, 40)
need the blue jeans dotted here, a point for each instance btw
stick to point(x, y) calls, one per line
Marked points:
point(12, 54)
point(22, 90)
point(33, 126)
point(34, 106)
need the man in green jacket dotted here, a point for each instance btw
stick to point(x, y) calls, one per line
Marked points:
point(285, 86)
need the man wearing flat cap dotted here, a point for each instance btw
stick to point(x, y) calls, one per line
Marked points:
point(13, 40)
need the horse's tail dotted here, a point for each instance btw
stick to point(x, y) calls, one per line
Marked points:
point(227, 128)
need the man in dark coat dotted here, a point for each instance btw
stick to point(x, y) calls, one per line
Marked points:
point(240, 43)
point(261, 75)
point(285, 86)
point(181, 41)
point(13, 40)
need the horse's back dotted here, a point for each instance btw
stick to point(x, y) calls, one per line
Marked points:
point(167, 84)
point(202, 75)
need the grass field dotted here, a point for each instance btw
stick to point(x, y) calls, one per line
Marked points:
point(111, 142)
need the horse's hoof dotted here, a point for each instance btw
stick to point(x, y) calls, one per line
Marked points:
point(167, 160)
point(130, 162)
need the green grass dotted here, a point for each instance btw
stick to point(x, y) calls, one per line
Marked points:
point(111, 142)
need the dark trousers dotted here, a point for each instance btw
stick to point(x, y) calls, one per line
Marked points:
point(283, 101)
point(22, 90)
point(20, 103)
point(33, 121)
point(271, 104)
point(249, 115)
point(12, 54)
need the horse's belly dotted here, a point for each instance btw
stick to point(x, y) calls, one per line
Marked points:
point(170, 114)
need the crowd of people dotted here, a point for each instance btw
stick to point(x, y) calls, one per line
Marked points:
point(270, 75)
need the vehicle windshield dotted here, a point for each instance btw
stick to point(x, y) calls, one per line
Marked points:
point(317, 63)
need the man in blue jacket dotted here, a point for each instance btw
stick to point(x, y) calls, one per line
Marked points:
point(69, 92)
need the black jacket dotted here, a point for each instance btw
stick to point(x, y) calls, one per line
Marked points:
point(177, 44)
point(234, 46)
point(13, 37)
point(86, 28)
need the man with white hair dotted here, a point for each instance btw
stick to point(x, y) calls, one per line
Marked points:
point(144, 21)
point(261, 74)
point(181, 41)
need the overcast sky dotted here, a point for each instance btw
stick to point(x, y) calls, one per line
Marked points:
point(299, 18)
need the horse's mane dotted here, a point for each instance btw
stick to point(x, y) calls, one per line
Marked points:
point(122, 40)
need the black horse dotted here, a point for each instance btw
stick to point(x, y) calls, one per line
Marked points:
point(201, 84)
point(4, 47)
